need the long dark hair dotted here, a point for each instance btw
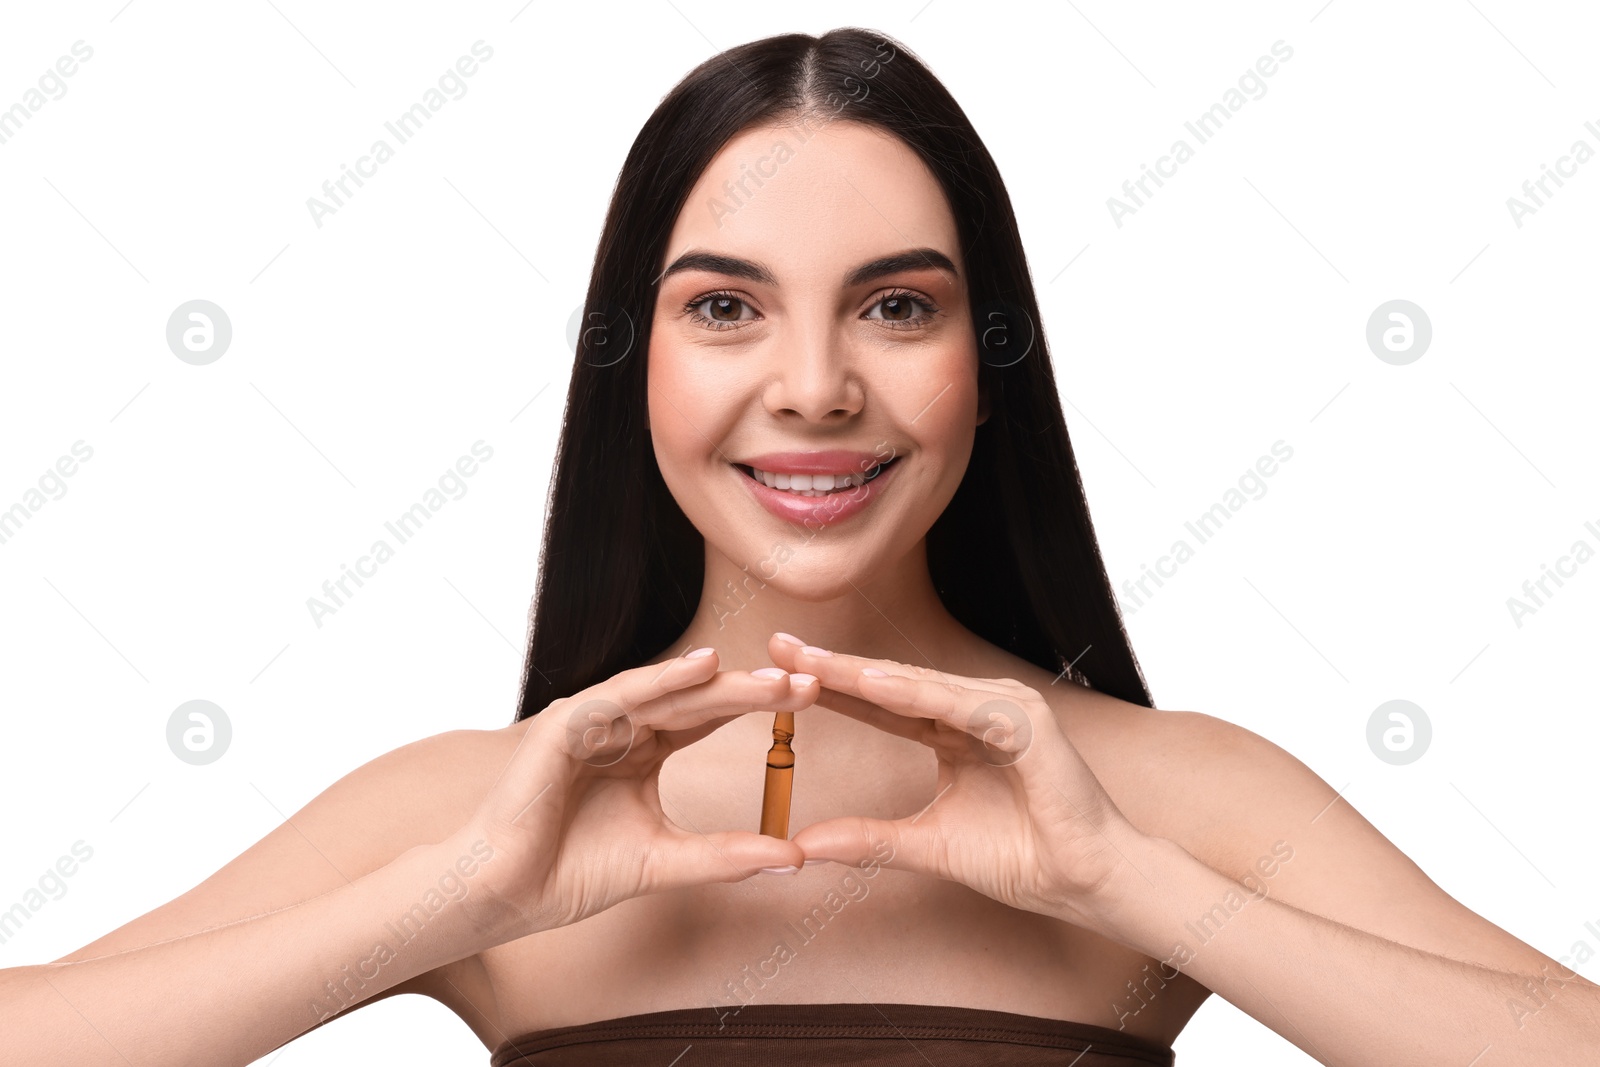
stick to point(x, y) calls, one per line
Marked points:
point(1013, 557)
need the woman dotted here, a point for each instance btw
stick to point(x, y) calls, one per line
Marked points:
point(1003, 853)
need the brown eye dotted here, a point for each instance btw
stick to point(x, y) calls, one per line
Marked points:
point(902, 310)
point(725, 308)
point(720, 311)
point(897, 308)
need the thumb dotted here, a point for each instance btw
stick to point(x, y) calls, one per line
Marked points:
point(859, 841)
point(724, 856)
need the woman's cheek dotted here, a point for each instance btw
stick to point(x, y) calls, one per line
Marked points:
point(688, 408)
point(665, 389)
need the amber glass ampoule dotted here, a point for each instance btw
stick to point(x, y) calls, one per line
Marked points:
point(780, 777)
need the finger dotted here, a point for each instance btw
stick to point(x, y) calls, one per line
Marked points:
point(782, 648)
point(726, 696)
point(802, 695)
point(595, 725)
point(843, 691)
point(857, 840)
point(690, 859)
point(600, 732)
point(864, 711)
point(538, 770)
point(675, 739)
point(999, 722)
point(808, 658)
point(633, 687)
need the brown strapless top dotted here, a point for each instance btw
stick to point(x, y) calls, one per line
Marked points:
point(888, 1035)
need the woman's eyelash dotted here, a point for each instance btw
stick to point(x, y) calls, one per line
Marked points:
point(929, 310)
point(692, 309)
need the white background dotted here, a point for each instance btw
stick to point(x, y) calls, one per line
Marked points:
point(430, 312)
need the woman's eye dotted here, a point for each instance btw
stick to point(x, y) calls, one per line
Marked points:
point(720, 310)
point(726, 311)
point(902, 309)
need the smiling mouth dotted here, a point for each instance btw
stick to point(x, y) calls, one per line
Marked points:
point(784, 481)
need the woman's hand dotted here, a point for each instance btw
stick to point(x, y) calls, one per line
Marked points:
point(575, 819)
point(1016, 815)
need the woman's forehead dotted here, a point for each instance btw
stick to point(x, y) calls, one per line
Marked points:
point(814, 200)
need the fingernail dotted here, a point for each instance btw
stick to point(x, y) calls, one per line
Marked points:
point(873, 672)
point(813, 650)
point(802, 680)
point(770, 672)
point(788, 639)
point(700, 653)
point(791, 869)
point(813, 863)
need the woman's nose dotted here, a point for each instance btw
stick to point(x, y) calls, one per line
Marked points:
point(815, 378)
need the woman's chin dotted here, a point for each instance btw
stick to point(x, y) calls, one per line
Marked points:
point(808, 576)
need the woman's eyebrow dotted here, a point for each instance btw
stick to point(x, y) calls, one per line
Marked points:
point(913, 259)
point(715, 263)
point(734, 267)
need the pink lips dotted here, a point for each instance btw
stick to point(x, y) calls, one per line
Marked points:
point(817, 510)
point(836, 461)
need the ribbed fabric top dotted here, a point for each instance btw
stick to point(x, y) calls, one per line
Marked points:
point(886, 1035)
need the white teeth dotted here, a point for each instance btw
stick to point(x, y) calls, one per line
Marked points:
point(808, 484)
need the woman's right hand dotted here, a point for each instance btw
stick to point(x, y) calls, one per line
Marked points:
point(575, 819)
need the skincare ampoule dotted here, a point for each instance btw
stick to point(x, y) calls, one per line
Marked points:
point(780, 777)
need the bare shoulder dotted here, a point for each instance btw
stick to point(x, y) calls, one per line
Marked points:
point(1248, 808)
point(413, 795)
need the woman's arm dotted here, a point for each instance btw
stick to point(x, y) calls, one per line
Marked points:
point(1260, 882)
point(232, 994)
point(1317, 925)
point(1350, 951)
point(376, 815)
point(1341, 994)
point(416, 794)
point(538, 816)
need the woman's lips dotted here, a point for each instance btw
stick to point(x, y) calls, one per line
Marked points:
point(826, 510)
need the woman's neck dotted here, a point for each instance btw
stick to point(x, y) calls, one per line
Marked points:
point(893, 613)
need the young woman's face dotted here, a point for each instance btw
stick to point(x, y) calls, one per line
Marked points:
point(813, 301)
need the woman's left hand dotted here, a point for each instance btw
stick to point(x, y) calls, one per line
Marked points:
point(1017, 815)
